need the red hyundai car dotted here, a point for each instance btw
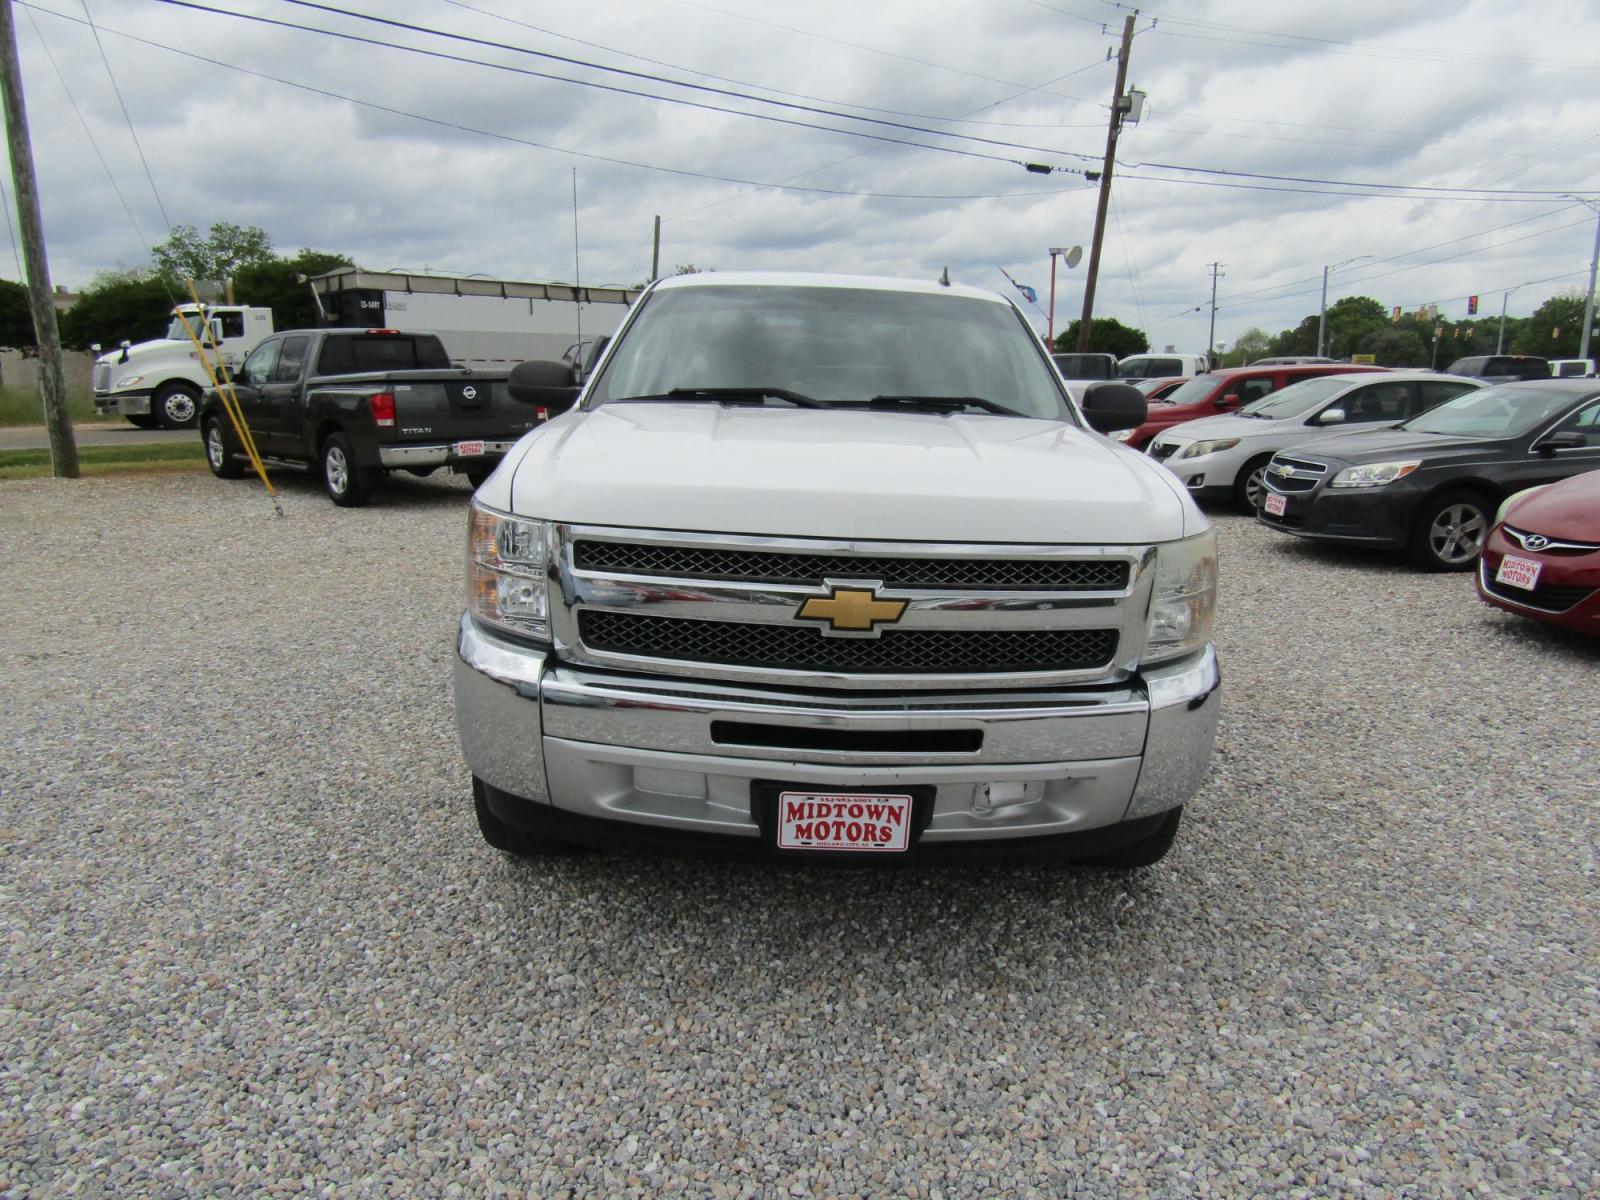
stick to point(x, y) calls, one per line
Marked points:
point(1542, 558)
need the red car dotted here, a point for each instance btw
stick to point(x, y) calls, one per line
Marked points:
point(1223, 391)
point(1542, 558)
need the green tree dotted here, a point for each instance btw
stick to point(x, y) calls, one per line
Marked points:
point(1350, 320)
point(1395, 347)
point(115, 308)
point(16, 316)
point(218, 255)
point(1107, 335)
point(1555, 329)
point(276, 284)
point(1249, 346)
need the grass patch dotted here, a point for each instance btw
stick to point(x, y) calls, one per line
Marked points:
point(106, 460)
point(19, 406)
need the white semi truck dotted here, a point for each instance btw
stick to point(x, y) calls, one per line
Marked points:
point(158, 383)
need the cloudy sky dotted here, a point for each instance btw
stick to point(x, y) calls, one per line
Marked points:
point(882, 138)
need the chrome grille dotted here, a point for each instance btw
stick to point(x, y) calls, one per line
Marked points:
point(1159, 450)
point(783, 567)
point(801, 648)
point(1304, 474)
point(102, 377)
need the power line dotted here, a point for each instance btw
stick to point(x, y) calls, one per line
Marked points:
point(1352, 183)
point(1312, 191)
point(132, 133)
point(351, 37)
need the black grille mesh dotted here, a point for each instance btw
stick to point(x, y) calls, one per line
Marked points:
point(802, 648)
point(1548, 596)
point(766, 566)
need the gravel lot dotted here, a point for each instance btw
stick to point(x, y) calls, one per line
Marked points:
point(254, 944)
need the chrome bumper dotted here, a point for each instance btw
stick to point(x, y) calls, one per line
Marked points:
point(135, 402)
point(438, 455)
point(684, 753)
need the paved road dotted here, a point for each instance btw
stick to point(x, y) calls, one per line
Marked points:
point(109, 433)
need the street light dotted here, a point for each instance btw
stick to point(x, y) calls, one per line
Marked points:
point(1322, 314)
point(1073, 257)
point(1500, 341)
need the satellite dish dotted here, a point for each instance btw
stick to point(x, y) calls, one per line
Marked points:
point(1074, 256)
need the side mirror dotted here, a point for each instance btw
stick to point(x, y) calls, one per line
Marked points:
point(1569, 439)
point(94, 347)
point(1331, 416)
point(1231, 400)
point(1110, 406)
point(546, 384)
point(216, 331)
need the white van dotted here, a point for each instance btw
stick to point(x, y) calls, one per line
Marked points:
point(1568, 368)
point(1162, 366)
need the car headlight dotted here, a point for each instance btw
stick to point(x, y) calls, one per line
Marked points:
point(1196, 449)
point(1120, 435)
point(1375, 474)
point(507, 559)
point(1184, 599)
point(128, 381)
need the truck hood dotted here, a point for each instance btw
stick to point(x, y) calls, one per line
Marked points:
point(870, 475)
point(164, 348)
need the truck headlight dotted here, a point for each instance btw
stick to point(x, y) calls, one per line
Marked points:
point(1375, 474)
point(128, 381)
point(1196, 449)
point(1184, 599)
point(507, 558)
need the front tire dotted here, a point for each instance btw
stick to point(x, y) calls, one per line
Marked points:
point(219, 453)
point(1250, 485)
point(348, 483)
point(143, 420)
point(1450, 531)
point(175, 406)
point(1146, 852)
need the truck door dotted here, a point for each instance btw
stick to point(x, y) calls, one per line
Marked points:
point(282, 413)
point(248, 381)
point(234, 344)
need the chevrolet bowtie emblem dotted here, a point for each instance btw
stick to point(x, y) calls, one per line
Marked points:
point(852, 609)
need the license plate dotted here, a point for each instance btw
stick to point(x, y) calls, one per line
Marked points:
point(1518, 572)
point(843, 821)
point(1276, 505)
point(469, 449)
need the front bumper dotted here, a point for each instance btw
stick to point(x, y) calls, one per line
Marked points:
point(394, 458)
point(1206, 476)
point(1568, 592)
point(135, 402)
point(686, 755)
point(1378, 516)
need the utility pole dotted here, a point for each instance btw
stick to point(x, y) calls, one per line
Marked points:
point(655, 252)
point(1211, 338)
point(52, 381)
point(1588, 304)
point(1105, 185)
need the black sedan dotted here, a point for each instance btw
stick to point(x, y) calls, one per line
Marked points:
point(1431, 485)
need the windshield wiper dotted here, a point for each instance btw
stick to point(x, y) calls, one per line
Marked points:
point(733, 395)
point(943, 404)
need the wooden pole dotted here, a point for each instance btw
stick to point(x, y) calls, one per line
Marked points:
point(1105, 186)
point(52, 379)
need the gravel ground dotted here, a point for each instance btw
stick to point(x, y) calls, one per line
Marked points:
point(254, 944)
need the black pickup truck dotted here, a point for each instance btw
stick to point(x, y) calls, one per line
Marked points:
point(355, 404)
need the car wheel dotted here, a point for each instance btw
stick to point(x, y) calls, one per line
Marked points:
point(509, 838)
point(1450, 531)
point(1146, 852)
point(1250, 485)
point(143, 420)
point(344, 478)
point(219, 453)
point(175, 406)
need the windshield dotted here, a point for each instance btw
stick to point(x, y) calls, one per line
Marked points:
point(1510, 410)
point(1085, 366)
point(836, 345)
point(1196, 390)
point(1296, 400)
point(1150, 368)
point(177, 333)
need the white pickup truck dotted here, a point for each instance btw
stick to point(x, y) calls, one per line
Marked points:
point(158, 383)
point(829, 567)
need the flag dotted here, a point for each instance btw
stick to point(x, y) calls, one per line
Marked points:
point(1033, 296)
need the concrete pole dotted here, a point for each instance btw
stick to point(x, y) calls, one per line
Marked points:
point(52, 380)
point(1322, 312)
point(1105, 187)
point(1588, 305)
point(1500, 342)
point(1050, 318)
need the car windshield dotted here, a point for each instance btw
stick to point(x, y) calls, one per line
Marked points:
point(176, 331)
point(1510, 410)
point(834, 345)
point(1296, 400)
point(1196, 390)
point(1084, 366)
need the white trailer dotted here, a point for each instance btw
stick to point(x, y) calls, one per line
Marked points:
point(486, 323)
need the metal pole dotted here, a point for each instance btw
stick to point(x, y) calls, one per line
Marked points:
point(52, 380)
point(655, 252)
point(1211, 338)
point(1050, 319)
point(1588, 306)
point(1322, 312)
point(1500, 342)
point(1105, 186)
